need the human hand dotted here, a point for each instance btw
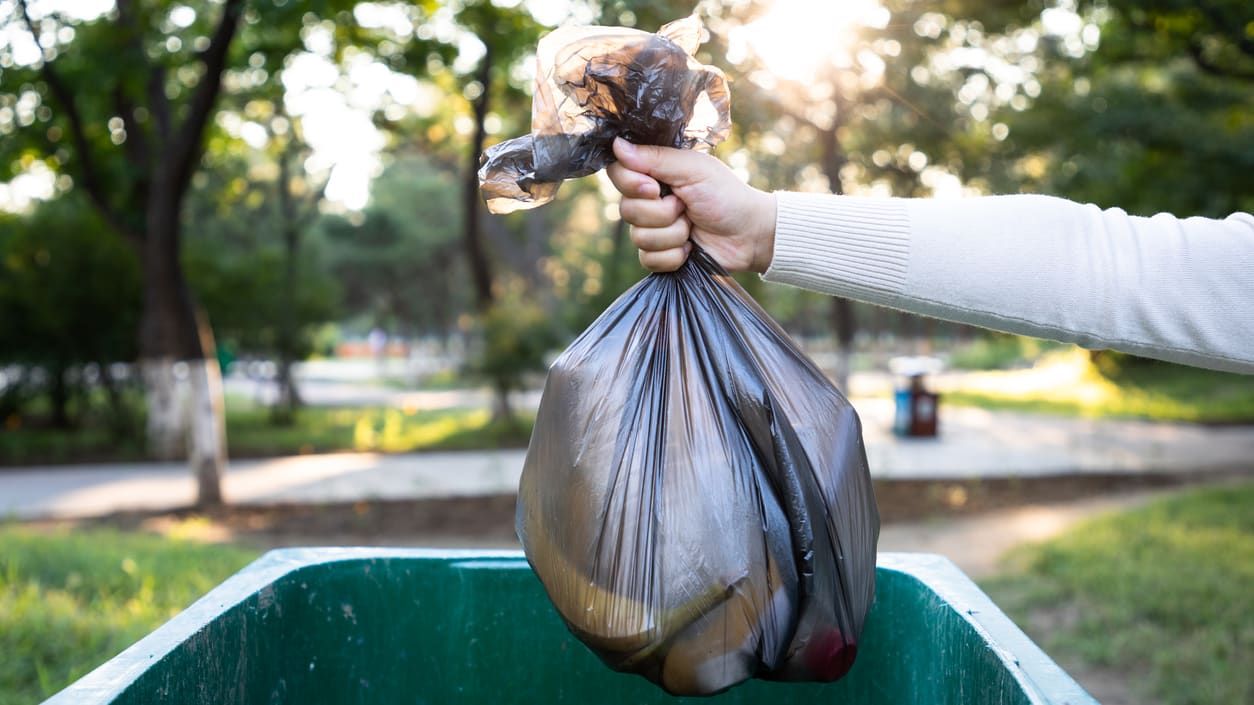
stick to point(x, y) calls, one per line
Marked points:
point(732, 221)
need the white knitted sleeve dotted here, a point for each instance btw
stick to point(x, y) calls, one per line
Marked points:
point(1179, 289)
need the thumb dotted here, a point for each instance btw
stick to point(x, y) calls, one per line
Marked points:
point(673, 167)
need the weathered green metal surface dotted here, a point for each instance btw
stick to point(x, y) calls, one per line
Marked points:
point(349, 626)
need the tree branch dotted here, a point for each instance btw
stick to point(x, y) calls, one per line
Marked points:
point(86, 160)
point(310, 211)
point(136, 144)
point(1227, 26)
point(1206, 65)
point(158, 103)
point(187, 143)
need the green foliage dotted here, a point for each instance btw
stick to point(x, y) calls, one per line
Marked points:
point(1162, 592)
point(517, 333)
point(1116, 366)
point(132, 78)
point(241, 289)
point(1157, 118)
point(71, 600)
point(399, 263)
point(69, 298)
point(68, 292)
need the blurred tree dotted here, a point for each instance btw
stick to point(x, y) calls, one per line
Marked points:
point(397, 261)
point(119, 104)
point(295, 208)
point(264, 294)
point(1158, 102)
point(494, 85)
point(61, 317)
point(827, 101)
point(516, 334)
point(478, 67)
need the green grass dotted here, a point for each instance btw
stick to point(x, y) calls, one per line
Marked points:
point(1155, 392)
point(70, 601)
point(437, 382)
point(251, 433)
point(320, 430)
point(999, 352)
point(1160, 594)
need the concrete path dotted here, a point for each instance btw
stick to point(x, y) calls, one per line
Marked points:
point(82, 491)
point(974, 443)
point(981, 443)
point(977, 544)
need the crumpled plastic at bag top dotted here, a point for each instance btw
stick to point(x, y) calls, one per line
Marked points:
point(597, 83)
point(695, 498)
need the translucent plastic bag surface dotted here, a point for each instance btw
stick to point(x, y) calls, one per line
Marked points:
point(597, 83)
point(696, 498)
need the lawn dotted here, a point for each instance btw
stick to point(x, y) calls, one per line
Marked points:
point(321, 430)
point(251, 433)
point(70, 601)
point(1066, 383)
point(1161, 595)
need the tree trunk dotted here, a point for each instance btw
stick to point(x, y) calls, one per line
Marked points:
point(472, 237)
point(502, 410)
point(208, 420)
point(183, 384)
point(844, 322)
point(120, 418)
point(476, 256)
point(289, 398)
point(59, 394)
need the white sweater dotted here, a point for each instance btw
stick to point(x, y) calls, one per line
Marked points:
point(1162, 287)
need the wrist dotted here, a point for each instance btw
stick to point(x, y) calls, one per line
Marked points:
point(763, 237)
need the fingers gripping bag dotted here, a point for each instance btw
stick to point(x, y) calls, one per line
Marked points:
point(695, 499)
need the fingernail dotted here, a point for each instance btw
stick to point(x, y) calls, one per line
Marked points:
point(624, 146)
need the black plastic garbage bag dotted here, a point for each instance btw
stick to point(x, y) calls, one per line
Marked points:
point(695, 498)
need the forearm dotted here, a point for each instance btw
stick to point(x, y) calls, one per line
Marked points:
point(1174, 289)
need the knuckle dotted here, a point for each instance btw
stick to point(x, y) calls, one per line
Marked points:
point(676, 207)
point(664, 260)
point(645, 239)
point(628, 210)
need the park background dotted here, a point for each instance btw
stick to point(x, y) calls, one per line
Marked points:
point(251, 230)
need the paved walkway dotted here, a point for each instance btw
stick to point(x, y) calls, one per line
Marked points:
point(978, 543)
point(974, 443)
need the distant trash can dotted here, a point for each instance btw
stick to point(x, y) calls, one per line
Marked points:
point(916, 409)
point(376, 625)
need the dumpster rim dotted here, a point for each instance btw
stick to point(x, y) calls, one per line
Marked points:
point(1031, 667)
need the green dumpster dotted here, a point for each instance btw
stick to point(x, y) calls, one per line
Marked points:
point(372, 625)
